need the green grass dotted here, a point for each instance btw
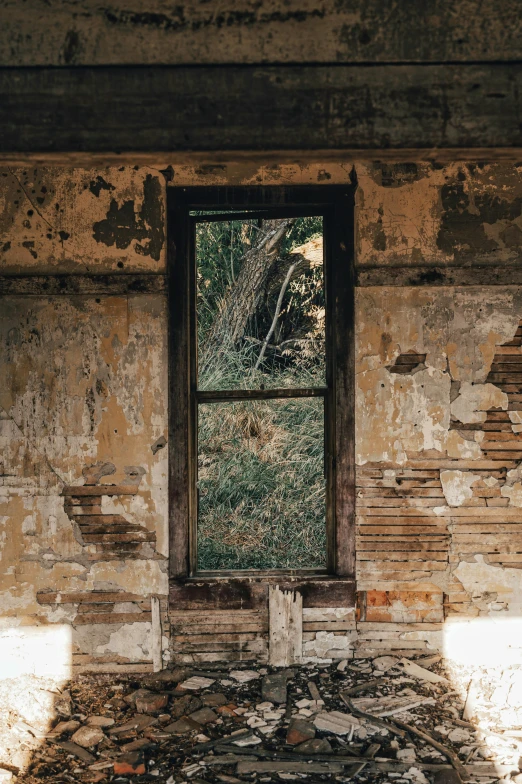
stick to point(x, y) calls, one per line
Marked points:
point(261, 485)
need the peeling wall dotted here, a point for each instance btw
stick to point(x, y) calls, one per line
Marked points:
point(83, 406)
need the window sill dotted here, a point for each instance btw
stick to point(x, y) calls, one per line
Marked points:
point(249, 591)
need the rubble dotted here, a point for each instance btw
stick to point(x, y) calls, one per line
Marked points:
point(316, 726)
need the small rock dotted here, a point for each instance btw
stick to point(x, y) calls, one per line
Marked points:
point(264, 706)
point(243, 676)
point(184, 706)
point(406, 755)
point(249, 740)
point(314, 746)
point(151, 703)
point(64, 727)
point(204, 716)
point(129, 764)
point(130, 699)
point(136, 745)
point(273, 687)
point(385, 663)
point(299, 731)
point(88, 736)
point(182, 726)
point(227, 710)
point(196, 683)
point(459, 735)
point(343, 664)
point(213, 700)
point(5, 775)
point(99, 721)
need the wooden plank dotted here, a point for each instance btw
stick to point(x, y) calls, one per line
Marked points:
point(76, 597)
point(340, 404)
point(405, 555)
point(249, 593)
point(85, 619)
point(99, 490)
point(169, 109)
point(285, 623)
point(180, 497)
point(286, 31)
point(123, 284)
point(156, 635)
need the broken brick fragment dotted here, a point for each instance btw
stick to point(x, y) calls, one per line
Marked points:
point(129, 764)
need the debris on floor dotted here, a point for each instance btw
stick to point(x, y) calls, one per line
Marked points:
point(389, 720)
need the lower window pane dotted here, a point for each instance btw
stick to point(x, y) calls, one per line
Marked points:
point(261, 485)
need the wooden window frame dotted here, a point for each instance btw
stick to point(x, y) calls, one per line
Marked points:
point(335, 585)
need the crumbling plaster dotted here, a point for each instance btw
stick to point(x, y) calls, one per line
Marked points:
point(84, 377)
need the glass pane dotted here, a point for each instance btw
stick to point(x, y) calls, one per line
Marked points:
point(261, 485)
point(260, 304)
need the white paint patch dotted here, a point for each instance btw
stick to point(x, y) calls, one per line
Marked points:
point(475, 399)
point(478, 577)
point(514, 493)
point(132, 640)
point(456, 486)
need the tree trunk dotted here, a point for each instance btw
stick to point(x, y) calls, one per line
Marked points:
point(242, 299)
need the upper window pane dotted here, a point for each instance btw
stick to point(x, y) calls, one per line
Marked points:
point(260, 303)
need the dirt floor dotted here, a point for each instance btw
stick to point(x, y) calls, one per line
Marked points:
point(384, 720)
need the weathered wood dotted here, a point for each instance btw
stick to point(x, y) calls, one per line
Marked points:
point(99, 490)
point(476, 275)
point(86, 618)
point(156, 634)
point(99, 597)
point(168, 109)
point(249, 593)
point(81, 285)
point(285, 618)
point(242, 32)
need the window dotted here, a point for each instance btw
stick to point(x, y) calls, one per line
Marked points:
point(261, 382)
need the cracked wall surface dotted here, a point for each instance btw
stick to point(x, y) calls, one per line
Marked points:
point(83, 412)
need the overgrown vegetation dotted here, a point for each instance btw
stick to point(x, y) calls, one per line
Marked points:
point(260, 465)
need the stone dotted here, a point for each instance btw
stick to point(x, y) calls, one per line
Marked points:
point(227, 710)
point(138, 722)
point(314, 746)
point(184, 706)
point(406, 755)
point(213, 700)
point(100, 721)
point(63, 728)
point(129, 764)
point(204, 716)
point(385, 663)
point(130, 699)
point(88, 737)
point(136, 745)
point(151, 703)
point(299, 731)
point(196, 683)
point(459, 735)
point(243, 676)
point(273, 687)
point(5, 775)
point(182, 726)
